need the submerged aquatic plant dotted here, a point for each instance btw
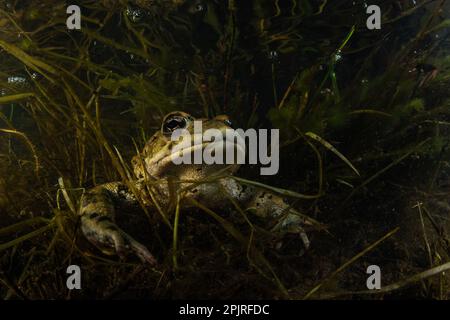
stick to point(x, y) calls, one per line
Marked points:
point(363, 116)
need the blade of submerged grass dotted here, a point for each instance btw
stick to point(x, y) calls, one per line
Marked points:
point(319, 165)
point(379, 173)
point(15, 24)
point(442, 25)
point(83, 62)
point(139, 35)
point(409, 12)
point(175, 233)
point(104, 143)
point(331, 75)
point(23, 274)
point(370, 111)
point(250, 224)
point(240, 237)
point(15, 97)
point(395, 286)
point(30, 235)
point(150, 191)
point(116, 45)
point(424, 231)
point(28, 143)
point(437, 229)
point(63, 190)
point(23, 224)
point(287, 93)
point(349, 262)
point(28, 60)
point(281, 191)
point(330, 147)
point(11, 287)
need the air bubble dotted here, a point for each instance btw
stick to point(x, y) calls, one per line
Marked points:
point(17, 80)
point(338, 56)
point(199, 7)
point(273, 55)
point(135, 14)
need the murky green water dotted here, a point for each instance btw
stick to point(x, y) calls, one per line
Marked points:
point(363, 115)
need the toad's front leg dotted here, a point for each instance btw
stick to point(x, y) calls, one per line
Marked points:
point(98, 222)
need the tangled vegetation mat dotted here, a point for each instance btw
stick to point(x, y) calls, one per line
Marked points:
point(364, 120)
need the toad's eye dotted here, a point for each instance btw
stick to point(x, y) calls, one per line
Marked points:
point(173, 123)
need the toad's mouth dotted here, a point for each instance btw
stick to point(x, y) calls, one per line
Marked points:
point(223, 149)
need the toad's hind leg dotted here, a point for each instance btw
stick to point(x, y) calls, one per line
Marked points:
point(98, 222)
point(269, 205)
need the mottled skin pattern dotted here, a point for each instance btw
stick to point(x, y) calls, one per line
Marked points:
point(154, 167)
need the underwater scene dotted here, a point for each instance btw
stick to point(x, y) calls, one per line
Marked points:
point(225, 149)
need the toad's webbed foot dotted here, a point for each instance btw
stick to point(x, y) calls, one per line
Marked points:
point(269, 205)
point(97, 223)
point(293, 224)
